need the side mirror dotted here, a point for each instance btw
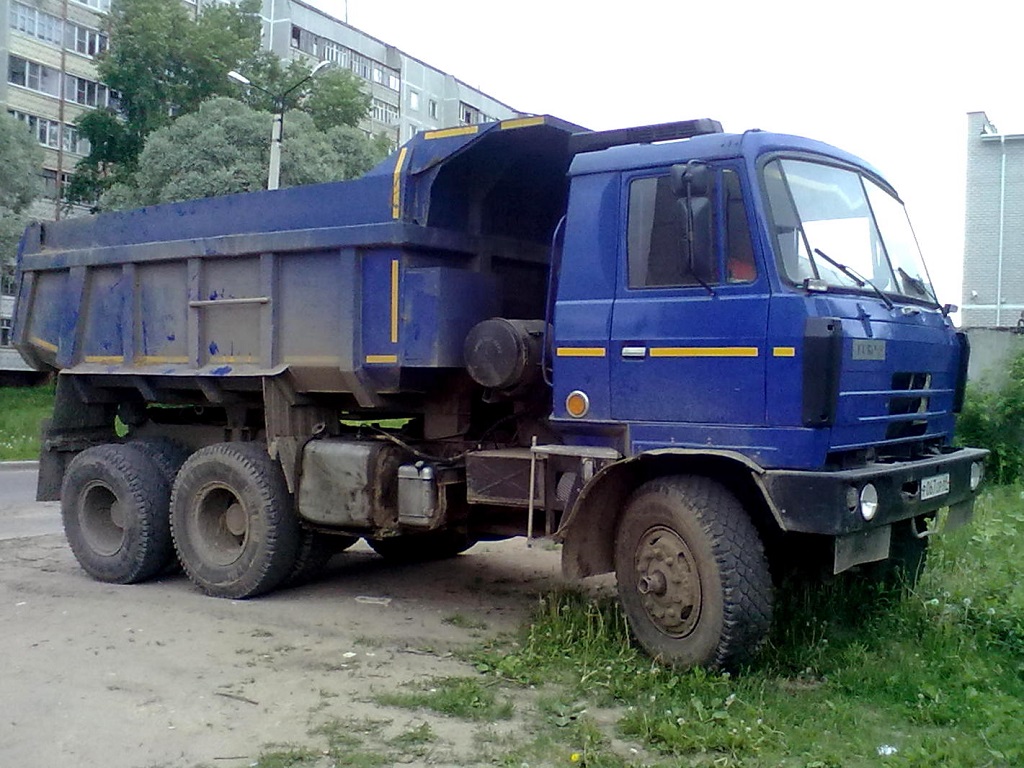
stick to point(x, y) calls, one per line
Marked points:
point(692, 177)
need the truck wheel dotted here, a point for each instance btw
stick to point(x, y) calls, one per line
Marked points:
point(114, 506)
point(168, 455)
point(314, 552)
point(419, 548)
point(692, 574)
point(231, 516)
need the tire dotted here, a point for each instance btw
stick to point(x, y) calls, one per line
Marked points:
point(114, 506)
point(422, 547)
point(168, 455)
point(692, 574)
point(232, 521)
point(314, 552)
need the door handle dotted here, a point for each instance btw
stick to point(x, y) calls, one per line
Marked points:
point(634, 353)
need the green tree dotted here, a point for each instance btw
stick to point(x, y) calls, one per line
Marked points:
point(163, 62)
point(224, 148)
point(21, 160)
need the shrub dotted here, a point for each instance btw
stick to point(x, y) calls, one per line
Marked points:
point(993, 418)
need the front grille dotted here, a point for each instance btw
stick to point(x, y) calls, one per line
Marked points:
point(910, 395)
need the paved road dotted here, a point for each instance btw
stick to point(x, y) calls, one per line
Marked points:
point(20, 514)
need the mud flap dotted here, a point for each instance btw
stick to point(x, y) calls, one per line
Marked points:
point(861, 547)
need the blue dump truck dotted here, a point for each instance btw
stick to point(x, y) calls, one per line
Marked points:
point(696, 359)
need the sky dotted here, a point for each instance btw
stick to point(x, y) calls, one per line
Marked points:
point(891, 82)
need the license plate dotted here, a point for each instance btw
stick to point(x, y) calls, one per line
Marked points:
point(934, 486)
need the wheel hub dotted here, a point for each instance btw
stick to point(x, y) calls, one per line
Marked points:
point(667, 580)
point(102, 519)
point(220, 525)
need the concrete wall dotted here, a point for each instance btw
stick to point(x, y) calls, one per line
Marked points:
point(991, 350)
point(993, 293)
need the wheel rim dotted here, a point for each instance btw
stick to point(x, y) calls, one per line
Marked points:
point(220, 524)
point(102, 519)
point(668, 582)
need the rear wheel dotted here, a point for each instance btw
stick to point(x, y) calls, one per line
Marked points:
point(692, 574)
point(114, 506)
point(314, 552)
point(231, 515)
point(168, 455)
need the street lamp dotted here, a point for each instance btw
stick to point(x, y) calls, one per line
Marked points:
point(277, 133)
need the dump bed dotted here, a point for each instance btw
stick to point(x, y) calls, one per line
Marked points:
point(362, 286)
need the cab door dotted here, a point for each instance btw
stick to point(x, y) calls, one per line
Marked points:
point(690, 312)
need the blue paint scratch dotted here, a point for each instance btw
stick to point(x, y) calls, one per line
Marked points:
point(214, 349)
point(224, 369)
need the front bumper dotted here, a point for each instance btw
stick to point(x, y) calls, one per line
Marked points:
point(819, 502)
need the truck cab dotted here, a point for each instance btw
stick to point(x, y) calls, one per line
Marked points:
point(754, 308)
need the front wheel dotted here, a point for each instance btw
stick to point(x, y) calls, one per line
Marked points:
point(692, 574)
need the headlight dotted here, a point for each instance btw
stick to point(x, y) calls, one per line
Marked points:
point(977, 473)
point(868, 501)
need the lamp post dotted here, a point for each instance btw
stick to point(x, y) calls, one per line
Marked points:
point(277, 133)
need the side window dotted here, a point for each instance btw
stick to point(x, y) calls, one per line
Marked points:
point(658, 249)
point(739, 254)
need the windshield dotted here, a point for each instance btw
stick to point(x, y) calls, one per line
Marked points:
point(825, 218)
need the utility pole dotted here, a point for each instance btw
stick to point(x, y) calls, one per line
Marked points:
point(61, 99)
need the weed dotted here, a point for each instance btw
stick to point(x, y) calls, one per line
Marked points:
point(287, 757)
point(465, 697)
point(464, 622)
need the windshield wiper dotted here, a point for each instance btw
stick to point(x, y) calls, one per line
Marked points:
point(859, 279)
point(918, 284)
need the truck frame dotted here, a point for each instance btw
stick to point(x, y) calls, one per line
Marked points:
point(696, 359)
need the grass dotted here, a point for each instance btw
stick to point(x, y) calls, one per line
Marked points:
point(22, 410)
point(471, 698)
point(850, 676)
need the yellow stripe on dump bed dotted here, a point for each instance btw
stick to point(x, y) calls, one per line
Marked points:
point(521, 122)
point(784, 351)
point(396, 185)
point(104, 359)
point(372, 359)
point(447, 133)
point(36, 341)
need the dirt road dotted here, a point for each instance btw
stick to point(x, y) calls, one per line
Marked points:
point(160, 675)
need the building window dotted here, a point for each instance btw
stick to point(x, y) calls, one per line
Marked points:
point(88, 42)
point(5, 331)
point(383, 112)
point(50, 183)
point(32, 21)
point(432, 109)
point(468, 115)
point(414, 101)
point(47, 133)
point(99, 5)
point(88, 93)
point(33, 76)
point(394, 81)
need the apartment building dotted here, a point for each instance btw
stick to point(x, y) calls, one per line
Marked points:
point(48, 52)
point(993, 293)
point(408, 95)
